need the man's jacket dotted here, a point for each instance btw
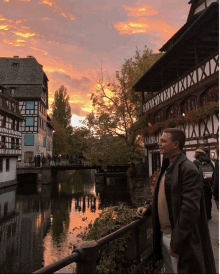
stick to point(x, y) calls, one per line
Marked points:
point(216, 181)
point(190, 237)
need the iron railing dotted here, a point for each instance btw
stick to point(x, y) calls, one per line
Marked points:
point(87, 254)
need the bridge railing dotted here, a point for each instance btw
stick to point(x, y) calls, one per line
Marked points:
point(139, 248)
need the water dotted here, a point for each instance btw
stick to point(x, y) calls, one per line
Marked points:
point(39, 229)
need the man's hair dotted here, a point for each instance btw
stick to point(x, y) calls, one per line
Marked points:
point(177, 134)
point(200, 152)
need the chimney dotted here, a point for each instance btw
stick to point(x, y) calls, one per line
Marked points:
point(16, 56)
point(30, 56)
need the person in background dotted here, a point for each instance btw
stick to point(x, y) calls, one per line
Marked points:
point(215, 192)
point(180, 228)
point(201, 159)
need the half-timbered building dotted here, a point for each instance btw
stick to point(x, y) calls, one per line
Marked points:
point(182, 87)
point(10, 138)
point(26, 81)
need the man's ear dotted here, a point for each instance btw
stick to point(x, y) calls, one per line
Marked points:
point(176, 144)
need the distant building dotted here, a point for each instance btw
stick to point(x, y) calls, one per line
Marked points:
point(26, 81)
point(184, 79)
point(10, 137)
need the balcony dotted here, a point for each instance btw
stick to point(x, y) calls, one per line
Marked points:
point(189, 80)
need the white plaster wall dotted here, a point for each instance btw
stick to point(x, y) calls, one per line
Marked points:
point(10, 198)
point(33, 148)
point(11, 174)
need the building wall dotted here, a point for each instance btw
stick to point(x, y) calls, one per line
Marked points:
point(11, 174)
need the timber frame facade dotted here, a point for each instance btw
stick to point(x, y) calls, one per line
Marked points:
point(10, 137)
point(26, 81)
point(185, 78)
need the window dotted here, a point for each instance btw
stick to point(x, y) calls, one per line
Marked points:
point(210, 95)
point(17, 144)
point(159, 116)
point(29, 140)
point(7, 102)
point(1, 91)
point(1, 100)
point(12, 143)
point(173, 111)
point(4, 121)
point(44, 142)
point(12, 106)
point(29, 121)
point(17, 126)
point(15, 65)
point(189, 104)
point(1, 165)
point(12, 91)
point(6, 209)
point(3, 140)
point(155, 162)
point(30, 105)
point(7, 164)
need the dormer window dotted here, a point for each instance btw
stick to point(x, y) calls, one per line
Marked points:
point(15, 65)
point(12, 91)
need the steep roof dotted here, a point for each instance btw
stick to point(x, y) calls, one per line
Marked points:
point(4, 106)
point(26, 91)
point(27, 71)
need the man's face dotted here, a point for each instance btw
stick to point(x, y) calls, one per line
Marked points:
point(166, 145)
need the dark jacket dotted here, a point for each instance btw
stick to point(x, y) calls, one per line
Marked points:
point(190, 237)
point(216, 181)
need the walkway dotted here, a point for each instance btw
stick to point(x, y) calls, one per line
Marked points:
point(214, 233)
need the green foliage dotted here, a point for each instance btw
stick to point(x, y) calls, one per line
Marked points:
point(113, 256)
point(60, 138)
point(61, 110)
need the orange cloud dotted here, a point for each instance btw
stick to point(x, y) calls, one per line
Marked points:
point(7, 1)
point(25, 35)
point(14, 44)
point(4, 27)
point(143, 10)
point(145, 25)
point(2, 18)
point(40, 50)
point(57, 9)
point(47, 2)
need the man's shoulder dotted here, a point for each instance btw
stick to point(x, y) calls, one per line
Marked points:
point(189, 165)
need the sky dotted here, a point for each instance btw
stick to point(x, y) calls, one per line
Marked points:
point(72, 38)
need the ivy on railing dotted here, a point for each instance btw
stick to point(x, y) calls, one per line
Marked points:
point(193, 117)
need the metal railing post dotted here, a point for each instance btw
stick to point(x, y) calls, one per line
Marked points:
point(87, 264)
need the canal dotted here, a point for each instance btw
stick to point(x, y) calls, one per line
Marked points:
point(37, 229)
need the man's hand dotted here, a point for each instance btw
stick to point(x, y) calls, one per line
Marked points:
point(141, 211)
point(173, 254)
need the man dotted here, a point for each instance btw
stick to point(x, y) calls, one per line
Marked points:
point(215, 193)
point(180, 229)
point(201, 159)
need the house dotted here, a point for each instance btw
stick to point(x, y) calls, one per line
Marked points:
point(184, 84)
point(10, 137)
point(26, 81)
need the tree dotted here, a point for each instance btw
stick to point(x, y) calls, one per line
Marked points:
point(61, 110)
point(60, 138)
point(117, 110)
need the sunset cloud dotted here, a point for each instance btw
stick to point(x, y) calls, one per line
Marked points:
point(70, 51)
point(145, 25)
point(143, 10)
point(25, 34)
point(53, 5)
point(4, 27)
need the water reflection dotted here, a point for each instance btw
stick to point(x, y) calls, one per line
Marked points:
point(39, 229)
